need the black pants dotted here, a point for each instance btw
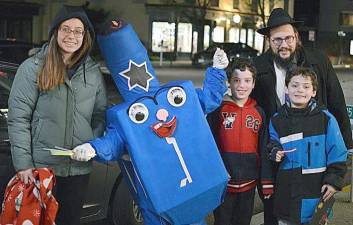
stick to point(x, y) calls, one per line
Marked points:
point(70, 193)
point(236, 209)
point(269, 218)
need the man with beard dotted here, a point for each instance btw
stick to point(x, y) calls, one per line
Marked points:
point(285, 54)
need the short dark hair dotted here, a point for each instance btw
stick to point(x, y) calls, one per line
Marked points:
point(305, 72)
point(241, 64)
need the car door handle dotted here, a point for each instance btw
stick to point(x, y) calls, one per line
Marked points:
point(7, 141)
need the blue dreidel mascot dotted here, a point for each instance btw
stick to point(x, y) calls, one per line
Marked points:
point(160, 135)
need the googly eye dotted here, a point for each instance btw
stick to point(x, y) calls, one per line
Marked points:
point(138, 113)
point(176, 96)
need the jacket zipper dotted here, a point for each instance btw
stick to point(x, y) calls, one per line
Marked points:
point(309, 156)
point(240, 138)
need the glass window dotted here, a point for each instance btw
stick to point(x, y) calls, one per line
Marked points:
point(234, 34)
point(272, 4)
point(346, 19)
point(184, 37)
point(251, 37)
point(206, 36)
point(218, 34)
point(194, 42)
point(20, 29)
point(259, 41)
point(243, 35)
point(214, 3)
point(163, 36)
point(253, 4)
point(235, 4)
point(3, 29)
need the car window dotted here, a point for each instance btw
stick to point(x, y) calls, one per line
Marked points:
point(7, 75)
point(15, 54)
point(113, 93)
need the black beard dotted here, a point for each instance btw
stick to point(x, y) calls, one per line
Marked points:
point(283, 63)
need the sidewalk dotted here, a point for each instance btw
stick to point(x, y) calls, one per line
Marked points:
point(174, 64)
point(342, 210)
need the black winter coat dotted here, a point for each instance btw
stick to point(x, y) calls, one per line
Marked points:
point(329, 91)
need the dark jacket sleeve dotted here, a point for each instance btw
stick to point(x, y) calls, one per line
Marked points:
point(336, 104)
point(266, 176)
point(274, 144)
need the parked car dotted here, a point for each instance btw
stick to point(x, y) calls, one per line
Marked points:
point(233, 50)
point(15, 51)
point(107, 195)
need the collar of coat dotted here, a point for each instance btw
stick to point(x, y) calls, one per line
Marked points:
point(310, 58)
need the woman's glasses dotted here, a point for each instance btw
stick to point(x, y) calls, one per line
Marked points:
point(78, 33)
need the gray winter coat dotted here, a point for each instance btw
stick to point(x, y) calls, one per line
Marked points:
point(66, 116)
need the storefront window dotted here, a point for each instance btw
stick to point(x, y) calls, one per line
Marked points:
point(206, 36)
point(218, 34)
point(163, 36)
point(20, 29)
point(346, 18)
point(243, 35)
point(184, 37)
point(259, 41)
point(194, 42)
point(251, 37)
point(234, 34)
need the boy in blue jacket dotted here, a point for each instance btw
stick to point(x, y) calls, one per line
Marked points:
point(306, 141)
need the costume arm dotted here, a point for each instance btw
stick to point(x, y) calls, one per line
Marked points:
point(214, 87)
point(336, 153)
point(110, 146)
point(336, 104)
point(22, 102)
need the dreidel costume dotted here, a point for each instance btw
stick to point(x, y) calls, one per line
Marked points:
point(160, 135)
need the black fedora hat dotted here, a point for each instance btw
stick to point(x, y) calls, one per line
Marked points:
point(277, 18)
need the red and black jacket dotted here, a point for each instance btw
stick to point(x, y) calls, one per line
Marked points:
point(241, 136)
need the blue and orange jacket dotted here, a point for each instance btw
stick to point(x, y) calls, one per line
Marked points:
point(316, 155)
point(241, 136)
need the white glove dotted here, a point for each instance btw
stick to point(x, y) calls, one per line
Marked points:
point(220, 60)
point(83, 152)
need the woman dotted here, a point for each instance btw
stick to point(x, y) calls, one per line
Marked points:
point(58, 98)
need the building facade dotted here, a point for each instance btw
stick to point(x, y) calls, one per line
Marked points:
point(179, 28)
point(328, 25)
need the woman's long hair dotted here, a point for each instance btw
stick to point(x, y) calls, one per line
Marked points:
point(53, 71)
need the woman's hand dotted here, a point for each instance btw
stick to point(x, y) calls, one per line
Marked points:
point(26, 176)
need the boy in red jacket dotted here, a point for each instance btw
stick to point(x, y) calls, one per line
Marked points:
point(240, 131)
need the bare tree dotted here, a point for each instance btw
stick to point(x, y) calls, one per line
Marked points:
point(194, 11)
